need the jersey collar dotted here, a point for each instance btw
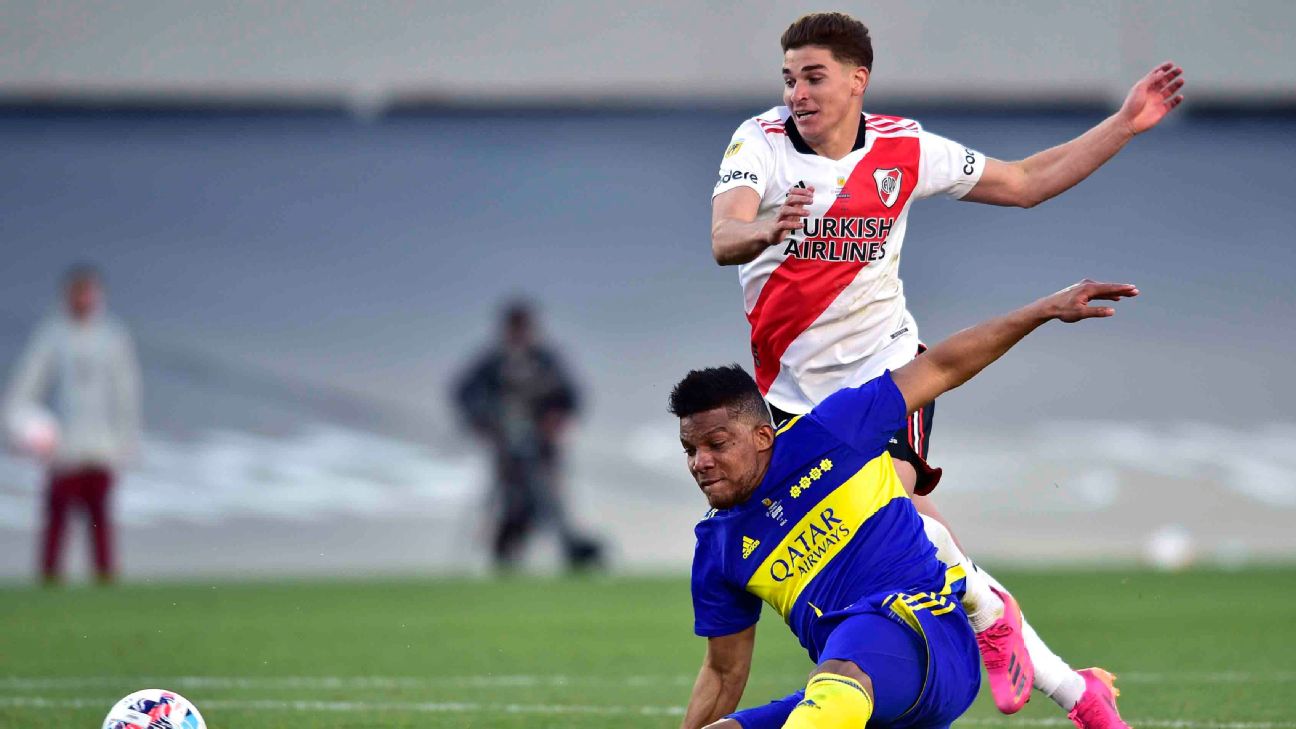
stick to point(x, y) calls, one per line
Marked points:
point(799, 143)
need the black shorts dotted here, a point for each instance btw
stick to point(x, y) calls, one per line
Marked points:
point(908, 444)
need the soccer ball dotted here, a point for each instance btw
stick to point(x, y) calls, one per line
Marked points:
point(154, 709)
point(33, 431)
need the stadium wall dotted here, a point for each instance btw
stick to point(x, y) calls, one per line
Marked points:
point(374, 55)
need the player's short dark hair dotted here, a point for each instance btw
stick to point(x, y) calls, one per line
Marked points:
point(81, 271)
point(713, 387)
point(846, 37)
point(517, 312)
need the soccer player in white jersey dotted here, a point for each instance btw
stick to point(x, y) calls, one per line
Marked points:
point(811, 204)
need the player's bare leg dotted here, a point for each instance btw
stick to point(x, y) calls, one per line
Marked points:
point(984, 603)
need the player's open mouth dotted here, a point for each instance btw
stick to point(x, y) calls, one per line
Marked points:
point(804, 114)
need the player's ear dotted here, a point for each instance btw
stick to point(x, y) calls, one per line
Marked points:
point(859, 81)
point(764, 436)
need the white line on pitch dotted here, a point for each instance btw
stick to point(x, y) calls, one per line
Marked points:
point(35, 702)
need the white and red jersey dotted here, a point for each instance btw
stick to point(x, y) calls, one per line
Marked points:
point(826, 306)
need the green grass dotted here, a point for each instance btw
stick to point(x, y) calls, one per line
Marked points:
point(1203, 648)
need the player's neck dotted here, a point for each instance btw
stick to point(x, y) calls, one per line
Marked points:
point(840, 140)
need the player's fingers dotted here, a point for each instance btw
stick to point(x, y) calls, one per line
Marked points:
point(1173, 87)
point(1176, 101)
point(1111, 292)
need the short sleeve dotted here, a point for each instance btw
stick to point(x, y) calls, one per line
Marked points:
point(864, 417)
point(747, 162)
point(719, 608)
point(947, 168)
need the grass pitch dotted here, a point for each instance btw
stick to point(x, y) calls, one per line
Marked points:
point(1199, 649)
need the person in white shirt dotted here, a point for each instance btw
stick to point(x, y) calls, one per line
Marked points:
point(74, 402)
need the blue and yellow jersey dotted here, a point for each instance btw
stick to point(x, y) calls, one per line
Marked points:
point(828, 527)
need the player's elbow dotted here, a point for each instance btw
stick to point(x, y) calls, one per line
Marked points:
point(718, 252)
point(1026, 191)
point(721, 250)
point(1028, 199)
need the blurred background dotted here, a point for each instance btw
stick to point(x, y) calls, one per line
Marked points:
point(310, 216)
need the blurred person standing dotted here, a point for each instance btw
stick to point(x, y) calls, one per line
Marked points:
point(82, 361)
point(519, 398)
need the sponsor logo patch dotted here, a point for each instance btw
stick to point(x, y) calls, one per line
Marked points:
point(733, 149)
point(749, 546)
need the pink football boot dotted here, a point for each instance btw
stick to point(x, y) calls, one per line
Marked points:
point(1096, 708)
point(1008, 665)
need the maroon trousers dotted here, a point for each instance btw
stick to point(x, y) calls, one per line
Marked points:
point(83, 488)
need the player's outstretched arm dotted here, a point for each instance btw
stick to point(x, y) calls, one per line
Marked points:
point(1046, 174)
point(960, 357)
point(720, 683)
point(738, 237)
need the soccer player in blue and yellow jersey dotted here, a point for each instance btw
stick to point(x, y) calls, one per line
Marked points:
point(813, 520)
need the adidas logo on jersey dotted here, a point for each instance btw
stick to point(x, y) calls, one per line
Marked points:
point(749, 546)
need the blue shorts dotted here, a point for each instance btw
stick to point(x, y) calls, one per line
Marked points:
point(919, 652)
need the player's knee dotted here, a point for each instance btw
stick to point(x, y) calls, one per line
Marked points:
point(846, 669)
point(839, 695)
point(946, 550)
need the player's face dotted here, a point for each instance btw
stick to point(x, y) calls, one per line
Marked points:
point(727, 454)
point(84, 296)
point(821, 91)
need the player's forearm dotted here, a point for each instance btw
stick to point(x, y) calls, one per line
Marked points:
point(734, 242)
point(715, 694)
point(1054, 171)
point(959, 358)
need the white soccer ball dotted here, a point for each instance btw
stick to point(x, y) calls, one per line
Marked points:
point(1170, 548)
point(33, 431)
point(154, 709)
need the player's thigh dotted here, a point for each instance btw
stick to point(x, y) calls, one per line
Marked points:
point(909, 447)
point(891, 655)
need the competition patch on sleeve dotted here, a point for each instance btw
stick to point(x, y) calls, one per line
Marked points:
point(733, 149)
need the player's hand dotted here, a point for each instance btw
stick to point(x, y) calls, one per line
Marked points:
point(1154, 96)
point(1072, 303)
point(790, 214)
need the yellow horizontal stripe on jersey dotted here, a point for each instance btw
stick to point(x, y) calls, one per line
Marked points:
point(822, 533)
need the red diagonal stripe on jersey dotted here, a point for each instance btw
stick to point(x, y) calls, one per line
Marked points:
point(800, 290)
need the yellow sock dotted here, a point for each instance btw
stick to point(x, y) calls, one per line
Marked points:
point(832, 701)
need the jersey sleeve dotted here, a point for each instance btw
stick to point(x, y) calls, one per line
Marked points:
point(864, 417)
point(747, 162)
point(947, 167)
point(719, 607)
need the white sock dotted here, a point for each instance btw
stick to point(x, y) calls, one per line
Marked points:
point(1053, 677)
point(983, 607)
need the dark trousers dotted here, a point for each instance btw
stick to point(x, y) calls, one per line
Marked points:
point(85, 488)
point(528, 493)
point(524, 490)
